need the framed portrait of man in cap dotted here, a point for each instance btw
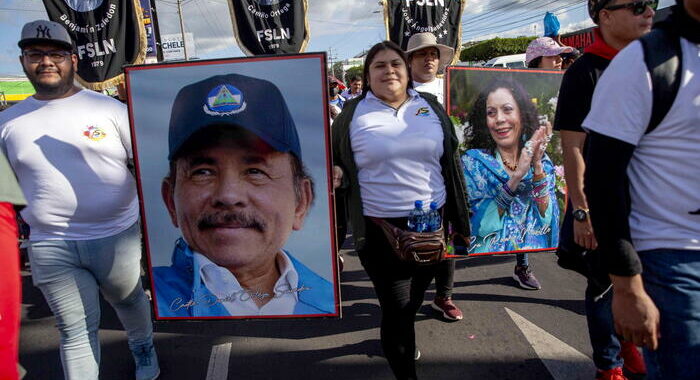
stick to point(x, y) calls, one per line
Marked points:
point(232, 162)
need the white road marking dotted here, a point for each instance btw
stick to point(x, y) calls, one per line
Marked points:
point(218, 362)
point(562, 361)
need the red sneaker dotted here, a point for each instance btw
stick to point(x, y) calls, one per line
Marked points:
point(449, 310)
point(634, 361)
point(610, 374)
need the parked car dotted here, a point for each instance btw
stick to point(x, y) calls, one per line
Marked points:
point(515, 61)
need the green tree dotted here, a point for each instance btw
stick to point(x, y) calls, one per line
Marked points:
point(495, 47)
point(353, 71)
point(337, 70)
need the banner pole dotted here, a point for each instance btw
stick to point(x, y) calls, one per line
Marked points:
point(182, 29)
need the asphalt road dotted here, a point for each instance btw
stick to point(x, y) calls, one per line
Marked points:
point(507, 333)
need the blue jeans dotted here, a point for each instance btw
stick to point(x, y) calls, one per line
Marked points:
point(601, 329)
point(70, 273)
point(672, 280)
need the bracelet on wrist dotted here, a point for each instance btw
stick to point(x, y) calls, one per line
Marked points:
point(542, 200)
point(504, 197)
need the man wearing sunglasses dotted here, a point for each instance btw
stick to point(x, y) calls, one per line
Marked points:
point(642, 186)
point(619, 23)
point(70, 149)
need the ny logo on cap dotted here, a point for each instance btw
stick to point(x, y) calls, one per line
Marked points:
point(43, 32)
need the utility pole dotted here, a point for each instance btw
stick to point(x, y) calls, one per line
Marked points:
point(182, 29)
point(331, 58)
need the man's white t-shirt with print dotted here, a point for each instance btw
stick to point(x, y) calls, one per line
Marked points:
point(434, 87)
point(70, 158)
point(664, 171)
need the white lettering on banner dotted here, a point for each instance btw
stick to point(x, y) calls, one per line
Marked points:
point(273, 13)
point(426, 3)
point(256, 12)
point(73, 27)
point(278, 12)
point(413, 24)
point(95, 50)
point(273, 34)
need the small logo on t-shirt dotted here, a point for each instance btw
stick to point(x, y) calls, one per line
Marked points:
point(423, 111)
point(94, 133)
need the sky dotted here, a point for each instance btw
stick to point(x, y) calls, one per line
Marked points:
point(343, 28)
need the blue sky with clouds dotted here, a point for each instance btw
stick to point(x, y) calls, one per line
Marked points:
point(342, 27)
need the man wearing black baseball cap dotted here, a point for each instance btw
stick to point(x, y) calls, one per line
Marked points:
point(237, 188)
point(70, 149)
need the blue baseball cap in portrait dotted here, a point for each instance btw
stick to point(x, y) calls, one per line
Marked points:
point(253, 104)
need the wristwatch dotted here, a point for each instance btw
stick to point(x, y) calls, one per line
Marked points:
point(580, 214)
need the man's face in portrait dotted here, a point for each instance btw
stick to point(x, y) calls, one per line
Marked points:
point(235, 198)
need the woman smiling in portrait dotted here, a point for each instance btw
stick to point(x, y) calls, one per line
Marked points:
point(510, 178)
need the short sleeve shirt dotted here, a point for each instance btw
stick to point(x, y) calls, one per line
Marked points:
point(665, 166)
point(9, 189)
point(576, 92)
point(70, 157)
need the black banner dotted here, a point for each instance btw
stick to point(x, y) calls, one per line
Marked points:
point(107, 34)
point(404, 18)
point(270, 26)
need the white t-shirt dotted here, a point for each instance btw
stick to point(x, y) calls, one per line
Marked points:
point(240, 302)
point(347, 95)
point(664, 172)
point(70, 158)
point(397, 153)
point(434, 87)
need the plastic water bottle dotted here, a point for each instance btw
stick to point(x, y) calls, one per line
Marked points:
point(417, 218)
point(434, 218)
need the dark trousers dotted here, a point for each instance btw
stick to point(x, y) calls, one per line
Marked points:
point(444, 278)
point(400, 289)
point(601, 329)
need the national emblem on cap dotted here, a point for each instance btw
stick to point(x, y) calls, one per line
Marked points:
point(223, 100)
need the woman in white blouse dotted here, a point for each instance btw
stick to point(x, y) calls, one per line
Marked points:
point(393, 146)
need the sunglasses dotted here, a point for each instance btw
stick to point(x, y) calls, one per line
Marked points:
point(637, 7)
point(36, 56)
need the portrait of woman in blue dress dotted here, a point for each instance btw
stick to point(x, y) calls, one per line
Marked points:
point(510, 179)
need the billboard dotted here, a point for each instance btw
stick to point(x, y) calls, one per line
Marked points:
point(174, 49)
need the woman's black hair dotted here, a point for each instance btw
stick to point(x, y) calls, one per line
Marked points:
point(381, 46)
point(481, 137)
point(535, 63)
